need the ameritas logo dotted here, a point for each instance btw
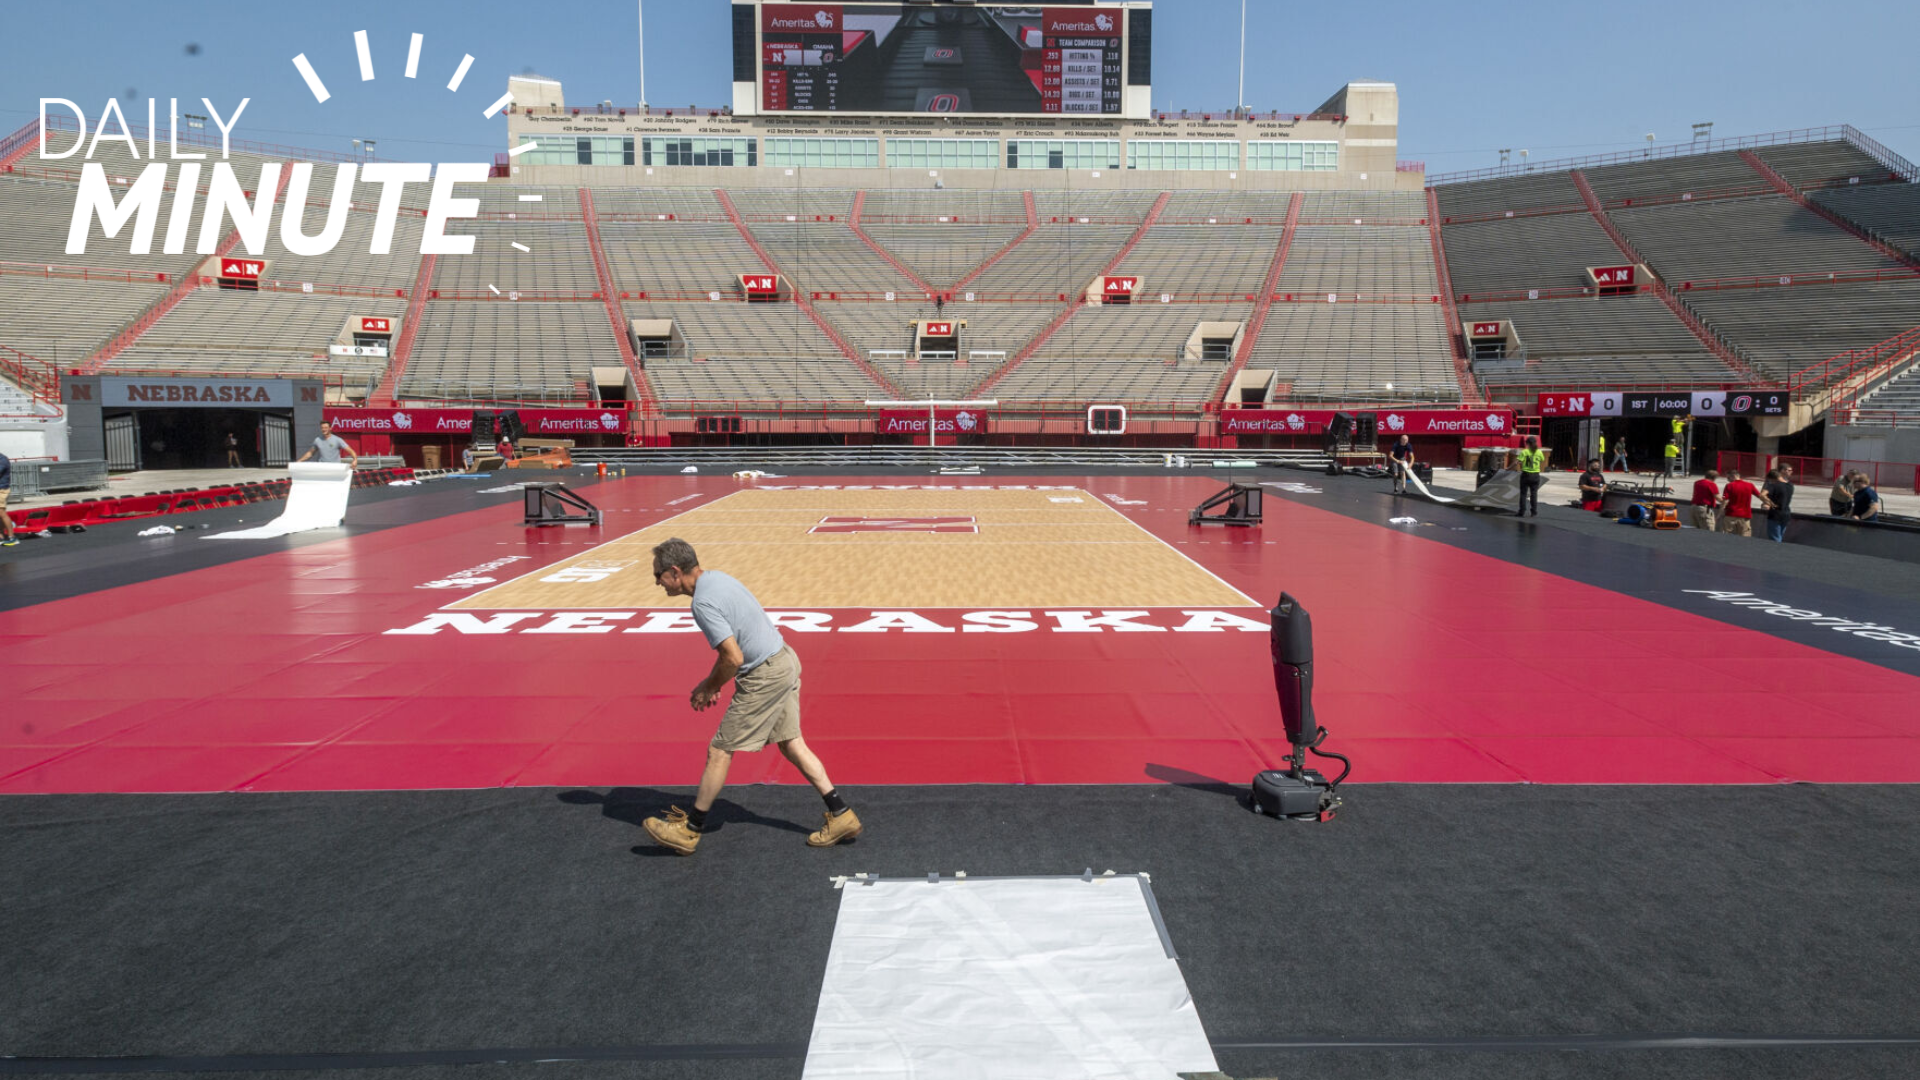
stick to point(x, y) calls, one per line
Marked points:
point(801, 18)
point(1076, 21)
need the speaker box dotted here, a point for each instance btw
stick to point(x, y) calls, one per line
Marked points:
point(1341, 428)
point(1366, 427)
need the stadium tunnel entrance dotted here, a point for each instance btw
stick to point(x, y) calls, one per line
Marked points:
point(198, 438)
point(161, 422)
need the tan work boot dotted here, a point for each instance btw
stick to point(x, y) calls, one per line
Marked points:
point(674, 832)
point(842, 826)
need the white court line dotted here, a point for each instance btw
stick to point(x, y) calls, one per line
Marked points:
point(413, 56)
point(460, 75)
point(313, 79)
point(366, 55)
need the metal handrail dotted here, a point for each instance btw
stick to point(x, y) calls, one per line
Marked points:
point(1829, 133)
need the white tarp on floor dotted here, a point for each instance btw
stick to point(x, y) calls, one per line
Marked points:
point(1004, 979)
point(317, 499)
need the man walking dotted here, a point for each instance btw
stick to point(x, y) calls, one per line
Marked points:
point(1620, 456)
point(329, 447)
point(1532, 460)
point(751, 653)
point(233, 450)
point(7, 539)
point(1673, 457)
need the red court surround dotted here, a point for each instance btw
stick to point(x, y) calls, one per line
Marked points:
point(1435, 664)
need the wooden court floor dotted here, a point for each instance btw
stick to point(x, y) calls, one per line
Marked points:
point(812, 549)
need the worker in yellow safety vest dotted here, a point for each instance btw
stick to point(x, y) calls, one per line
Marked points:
point(1673, 456)
point(1532, 460)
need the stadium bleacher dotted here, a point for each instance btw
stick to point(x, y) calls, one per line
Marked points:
point(1767, 235)
point(670, 251)
point(227, 332)
point(508, 350)
point(1888, 212)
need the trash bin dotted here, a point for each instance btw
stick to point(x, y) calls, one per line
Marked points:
point(1470, 458)
point(430, 457)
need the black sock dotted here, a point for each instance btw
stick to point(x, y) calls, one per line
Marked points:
point(835, 804)
point(697, 819)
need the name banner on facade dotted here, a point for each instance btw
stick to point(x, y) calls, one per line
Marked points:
point(196, 393)
point(1392, 422)
point(541, 423)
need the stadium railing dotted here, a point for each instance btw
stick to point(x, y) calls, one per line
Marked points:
point(1893, 475)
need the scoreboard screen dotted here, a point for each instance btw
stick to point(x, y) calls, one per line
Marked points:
point(916, 58)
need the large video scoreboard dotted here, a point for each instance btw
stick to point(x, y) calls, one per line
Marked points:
point(1000, 59)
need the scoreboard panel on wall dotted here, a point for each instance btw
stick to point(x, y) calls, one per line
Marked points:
point(997, 59)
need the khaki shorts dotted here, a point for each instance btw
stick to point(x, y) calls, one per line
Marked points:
point(1736, 526)
point(1703, 517)
point(765, 707)
point(4, 492)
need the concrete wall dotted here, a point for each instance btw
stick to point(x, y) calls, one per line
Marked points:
point(1873, 443)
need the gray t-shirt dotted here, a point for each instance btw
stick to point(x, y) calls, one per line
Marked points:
point(328, 447)
point(723, 608)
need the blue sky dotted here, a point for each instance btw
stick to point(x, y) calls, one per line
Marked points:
point(1555, 78)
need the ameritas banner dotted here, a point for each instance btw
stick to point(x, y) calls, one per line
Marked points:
point(1393, 422)
point(541, 423)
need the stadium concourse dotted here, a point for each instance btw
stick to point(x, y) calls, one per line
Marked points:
point(1624, 803)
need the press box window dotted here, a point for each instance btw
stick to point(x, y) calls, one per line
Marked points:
point(701, 152)
point(823, 153)
point(943, 153)
point(1289, 156)
point(1183, 155)
point(1063, 153)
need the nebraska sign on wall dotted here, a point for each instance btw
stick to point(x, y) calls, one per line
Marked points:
point(541, 423)
point(1392, 421)
point(197, 393)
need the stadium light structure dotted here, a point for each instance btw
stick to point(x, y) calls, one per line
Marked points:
point(1703, 130)
point(1505, 153)
point(640, 28)
point(1240, 99)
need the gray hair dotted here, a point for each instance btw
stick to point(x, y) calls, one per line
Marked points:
point(674, 552)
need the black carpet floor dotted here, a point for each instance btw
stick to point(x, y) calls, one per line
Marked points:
point(247, 928)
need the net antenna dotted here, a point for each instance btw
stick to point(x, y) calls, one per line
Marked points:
point(932, 406)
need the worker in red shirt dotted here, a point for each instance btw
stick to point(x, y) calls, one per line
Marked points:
point(505, 448)
point(1706, 498)
point(1736, 504)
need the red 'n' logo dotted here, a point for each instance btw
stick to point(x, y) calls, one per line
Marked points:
point(895, 524)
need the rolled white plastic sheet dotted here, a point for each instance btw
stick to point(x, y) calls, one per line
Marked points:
point(317, 499)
